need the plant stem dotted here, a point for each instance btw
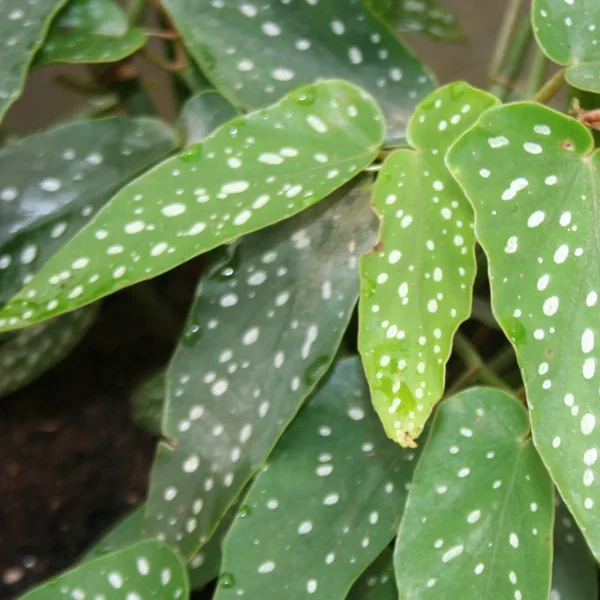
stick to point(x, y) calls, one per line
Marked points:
point(505, 358)
point(537, 73)
point(504, 38)
point(164, 321)
point(551, 88)
point(135, 11)
point(482, 313)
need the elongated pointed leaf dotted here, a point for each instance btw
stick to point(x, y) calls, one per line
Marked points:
point(52, 183)
point(255, 52)
point(252, 172)
point(202, 113)
point(150, 569)
point(533, 180)
point(567, 32)
point(267, 321)
point(417, 283)
point(330, 499)
point(23, 28)
point(29, 353)
point(378, 581)
point(478, 521)
point(574, 571)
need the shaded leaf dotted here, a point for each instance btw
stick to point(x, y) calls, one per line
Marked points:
point(266, 323)
point(480, 510)
point(533, 180)
point(147, 403)
point(72, 170)
point(24, 27)
point(202, 113)
point(378, 581)
point(417, 283)
point(329, 499)
point(255, 171)
point(150, 569)
point(255, 53)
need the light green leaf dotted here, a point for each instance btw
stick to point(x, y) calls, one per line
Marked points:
point(329, 499)
point(90, 31)
point(266, 324)
point(150, 569)
point(574, 571)
point(72, 171)
point(378, 581)
point(29, 353)
point(533, 180)
point(252, 172)
point(417, 283)
point(256, 52)
point(24, 27)
point(478, 521)
point(567, 32)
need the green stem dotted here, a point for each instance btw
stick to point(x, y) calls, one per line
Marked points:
point(482, 313)
point(537, 73)
point(551, 88)
point(163, 320)
point(135, 11)
point(504, 359)
point(503, 41)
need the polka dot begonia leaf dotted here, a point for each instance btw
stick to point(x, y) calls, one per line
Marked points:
point(532, 177)
point(568, 32)
point(150, 570)
point(29, 353)
point(266, 323)
point(72, 171)
point(378, 581)
point(329, 499)
point(574, 575)
point(250, 173)
point(416, 284)
point(256, 51)
point(478, 520)
point(24, 27)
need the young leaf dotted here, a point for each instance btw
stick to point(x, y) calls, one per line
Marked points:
point(90, 31)
point(567, 33)
point(378, 581)
point(29, 353)
point(266, 323)
point(23, 28)
point(329, 499)
point(574, 574)
point(150, 569)
point(478, 521)
point(72, 170)
point(254, 171)
point(417, 283)
point(532, 178)
point(256, 52)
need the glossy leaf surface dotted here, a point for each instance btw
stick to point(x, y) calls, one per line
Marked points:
point(266, 323)
point(256, 52)
point(330, 499)
point(478, 521)
point(252, 172)
point(378, 581)
point(202, 113)
point(417, 283)
point(533, 180)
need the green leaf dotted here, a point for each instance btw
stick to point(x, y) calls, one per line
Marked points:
point(254, 171)
point(267, 321)
point(567, 32)
point(147, 403)
point(90, 31)
point(256, 52)
point(478, 521)
point(72, 171)
point(329, 498)
point(150, 569)
point(29, 353)
point(417, 283)
point(533, 180)
point(24, 27)
point(574, 571)
point(378, 581)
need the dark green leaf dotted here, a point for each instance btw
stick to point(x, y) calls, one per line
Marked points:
point(202, 114)
point(378, 581)
point(147, 403)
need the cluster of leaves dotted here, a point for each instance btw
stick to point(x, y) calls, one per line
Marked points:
point(284, 469)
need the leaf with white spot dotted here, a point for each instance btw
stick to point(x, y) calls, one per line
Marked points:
point(479, 515)
point(267, 321)
point(574, 571)
point(417, 283)
point(255, 52)
point(72, 171)
point(329, 499)
point(24, 26)
point(378, 581)
point(569, 33)
point(532, 177)
point(252, 172)
point(90, 31)
point(150, 570)
point(29, 353)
